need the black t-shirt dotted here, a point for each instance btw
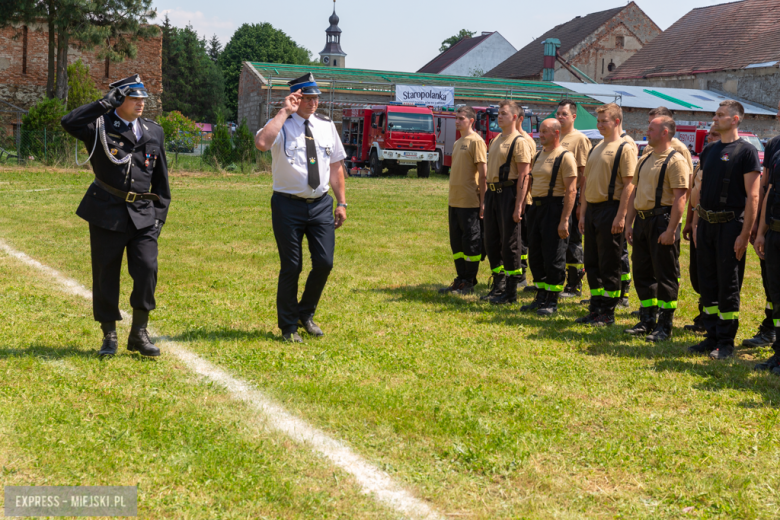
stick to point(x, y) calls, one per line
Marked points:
point(770, 152)
point(715, 158)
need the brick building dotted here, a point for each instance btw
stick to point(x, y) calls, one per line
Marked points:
point(732, 48)
point(24, 67)
point(596, 44)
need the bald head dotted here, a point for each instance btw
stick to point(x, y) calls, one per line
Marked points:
point(550, 134)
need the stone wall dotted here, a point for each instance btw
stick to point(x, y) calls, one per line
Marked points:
point(635, 122)
point(25, 87)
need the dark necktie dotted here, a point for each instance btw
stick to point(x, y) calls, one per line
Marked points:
point(311, 158)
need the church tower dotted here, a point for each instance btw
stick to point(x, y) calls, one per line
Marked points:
point(332, 55)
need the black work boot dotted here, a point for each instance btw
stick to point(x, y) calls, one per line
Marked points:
point(509, 295)
point(770, 364)
point(550, 304)
point(573, 287)
point(607, 315)
point(539, 299)
point(763, 338)
point(723, 351)
point(465, 287)
point(497, 286)
point(594, 310)
point(138, 340)
point(663, 330)
point(110, 344)
point(647, 322)
point(704, 347)
point(451, 288)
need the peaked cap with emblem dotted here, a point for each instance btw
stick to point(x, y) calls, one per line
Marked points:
point(133, 85)
point(305, 84)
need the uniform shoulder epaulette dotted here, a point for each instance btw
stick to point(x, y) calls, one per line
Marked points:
point(320, 116)
point(153, 121)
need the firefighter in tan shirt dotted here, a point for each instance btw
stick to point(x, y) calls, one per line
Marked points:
point(604, 202)
point(467, 192)
point(523, 224)
point(658, 203)
point(554, 189)
point(579, 145)
point(508, 166)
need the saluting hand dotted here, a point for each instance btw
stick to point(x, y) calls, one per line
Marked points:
point(292, 102)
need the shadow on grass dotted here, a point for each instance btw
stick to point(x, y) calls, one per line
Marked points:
point(53, 353)
point(429, 293)
point(225, 334)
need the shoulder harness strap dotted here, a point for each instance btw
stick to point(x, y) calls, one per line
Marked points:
point(554, 176)
point(615, 168)
point(503, 170)
point(659, 190)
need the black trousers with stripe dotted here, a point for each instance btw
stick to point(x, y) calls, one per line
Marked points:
point(547, 251)
point(575, 256)
point(772, 253)
point(603, 253)
point(720, 279)
point(767, 323)
point(502, 234)
point(656, 266)
point(466, 242)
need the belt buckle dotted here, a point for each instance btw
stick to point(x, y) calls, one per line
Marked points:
point(135, 196)
point(492, 187)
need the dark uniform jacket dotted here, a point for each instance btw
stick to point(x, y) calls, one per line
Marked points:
point(104, 209)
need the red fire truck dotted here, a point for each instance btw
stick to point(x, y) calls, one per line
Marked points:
point(395, 137)
point(693, 134)
point(486, 125)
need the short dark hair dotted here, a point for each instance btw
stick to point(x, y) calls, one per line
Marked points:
point(513, 107)
point(466, 111)
point(570, 103)
point(668, 123)
point(660, 111)
point(735, 108)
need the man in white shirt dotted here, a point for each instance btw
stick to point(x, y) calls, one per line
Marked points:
point(306, 153)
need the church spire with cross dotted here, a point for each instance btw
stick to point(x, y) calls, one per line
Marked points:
point(332, 55)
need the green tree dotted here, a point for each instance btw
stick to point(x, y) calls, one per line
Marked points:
point(81, 88)
point(214, 48)
point(192, 83)
point(181, 133)
point(244, 141)
point(45, 114)
point(256, 42)
point(452, 40)
point(220, 152)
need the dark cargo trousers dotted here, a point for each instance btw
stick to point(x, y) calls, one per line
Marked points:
point(502, 234)
point(720, 279)
point(656, 266)
point(603, 255)
point(466, 242)
point(772, 254)
point(547, 251)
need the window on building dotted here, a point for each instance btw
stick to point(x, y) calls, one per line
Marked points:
point(602, 65)
point(611, 66)
point(335, 63)
point(108, 67)
point(620, 42)
point(24, 50)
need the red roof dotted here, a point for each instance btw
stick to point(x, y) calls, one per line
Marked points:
point(722, 37)
point(451, 55)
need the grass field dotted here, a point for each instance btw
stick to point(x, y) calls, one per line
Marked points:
point(481, 411)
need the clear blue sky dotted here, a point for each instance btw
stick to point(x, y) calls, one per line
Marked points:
point(401, 35)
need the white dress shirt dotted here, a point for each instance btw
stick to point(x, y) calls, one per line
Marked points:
point(134, 125)
point(288, 153)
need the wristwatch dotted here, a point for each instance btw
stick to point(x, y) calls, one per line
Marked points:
point(341, 205)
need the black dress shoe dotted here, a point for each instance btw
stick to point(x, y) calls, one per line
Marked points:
point(139, 341)
point(110, 344)
point(311, 327)
point(292, 337)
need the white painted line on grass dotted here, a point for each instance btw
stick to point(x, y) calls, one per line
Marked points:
point(372, 480)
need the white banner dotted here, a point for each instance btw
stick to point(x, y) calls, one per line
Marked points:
point(436, 96)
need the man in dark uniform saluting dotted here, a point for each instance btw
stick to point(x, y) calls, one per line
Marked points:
point(306, 155)
point(126, 205)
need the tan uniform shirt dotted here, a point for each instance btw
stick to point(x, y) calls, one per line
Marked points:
point(646, 179)
point(677, 145)
point(467, 153)
point(499, 149)
point(579, 145)
point(598, 171)
point(541, 172)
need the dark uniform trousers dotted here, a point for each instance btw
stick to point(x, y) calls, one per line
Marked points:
point(772, 254)
point(466, 242)
point(503, 243)
point(574, 254)
point(720, 279)
point(547, 251)
point(767, 323)
point(656, 266)
point(603, 252)
point(625, 271)
point(693, 268)
point(108, 248)
point(292, 219)
point(524, 248)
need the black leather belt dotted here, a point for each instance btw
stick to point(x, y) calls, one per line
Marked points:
point(544, 200)
point(127, 196)
point(498, 186)
point(653, 212)
point(296, 197)
point(774, 224)
point(605, 203)
point(715, 217)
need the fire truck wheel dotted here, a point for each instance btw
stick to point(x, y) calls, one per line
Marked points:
point(440, 168)
point(375, 164)
point(423, 169)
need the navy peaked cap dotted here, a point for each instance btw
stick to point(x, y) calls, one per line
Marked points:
point(133, 85)
point(305, 84)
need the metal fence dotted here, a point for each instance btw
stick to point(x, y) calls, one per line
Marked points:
point(52, 148)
